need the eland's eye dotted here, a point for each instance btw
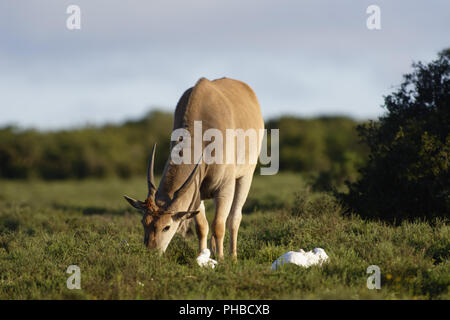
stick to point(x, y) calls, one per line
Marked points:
point(166, 228)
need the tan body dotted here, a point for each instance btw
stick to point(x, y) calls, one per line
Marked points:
point(220, 104)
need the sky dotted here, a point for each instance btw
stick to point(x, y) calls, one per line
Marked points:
point(303, 58)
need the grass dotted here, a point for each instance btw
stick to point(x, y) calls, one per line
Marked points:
point(47, 226)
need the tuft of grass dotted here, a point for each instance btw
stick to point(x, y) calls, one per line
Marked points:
point(47, 226)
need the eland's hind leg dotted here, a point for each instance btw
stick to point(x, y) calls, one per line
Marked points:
point(234, 219)
point(223, 200)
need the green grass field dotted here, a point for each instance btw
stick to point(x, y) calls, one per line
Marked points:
point(47, 226)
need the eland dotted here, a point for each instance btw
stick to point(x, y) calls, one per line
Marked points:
point(223, 104)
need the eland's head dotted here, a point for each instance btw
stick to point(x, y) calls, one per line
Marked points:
point(161, 221)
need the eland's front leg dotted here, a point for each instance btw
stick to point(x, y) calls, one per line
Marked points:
point(201, 227)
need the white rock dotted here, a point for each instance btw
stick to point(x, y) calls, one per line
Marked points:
point(302, 258)
point(204, 259)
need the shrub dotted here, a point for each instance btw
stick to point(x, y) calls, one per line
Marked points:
point(307, 204)
point(407, 174)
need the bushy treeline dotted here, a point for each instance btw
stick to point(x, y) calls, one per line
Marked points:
point(327, 146)
point(111, 150)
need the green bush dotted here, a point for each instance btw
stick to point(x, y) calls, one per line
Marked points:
point(308, 204)
point(407, 174)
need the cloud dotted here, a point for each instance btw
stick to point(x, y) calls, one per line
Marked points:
point(301, 57)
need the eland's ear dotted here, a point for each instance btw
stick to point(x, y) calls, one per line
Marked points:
point(134, 203)
point(183, 215)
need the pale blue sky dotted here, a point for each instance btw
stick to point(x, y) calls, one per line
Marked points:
point(304, 58)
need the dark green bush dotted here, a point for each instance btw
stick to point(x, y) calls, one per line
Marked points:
point(407, 174)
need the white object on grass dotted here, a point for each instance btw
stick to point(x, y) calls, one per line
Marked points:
point(301, 258)
point(204, 259)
